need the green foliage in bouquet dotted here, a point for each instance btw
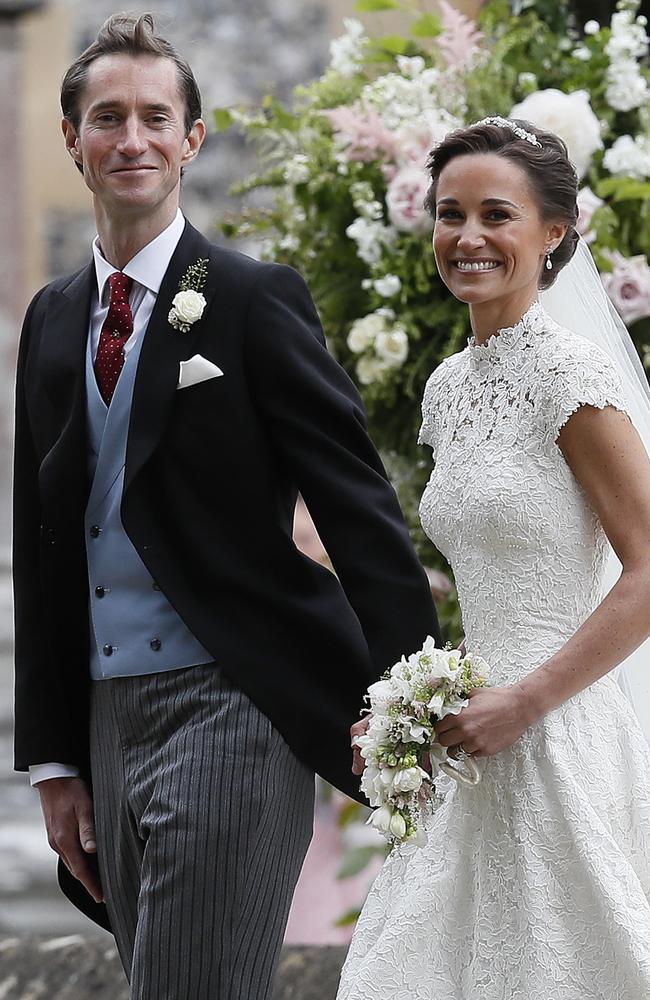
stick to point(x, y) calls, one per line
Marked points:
point(343, 182)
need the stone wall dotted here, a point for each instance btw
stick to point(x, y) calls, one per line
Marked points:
point(239, 51)
point(73, 968)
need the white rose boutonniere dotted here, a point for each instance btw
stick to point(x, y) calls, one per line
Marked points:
point(189, 303)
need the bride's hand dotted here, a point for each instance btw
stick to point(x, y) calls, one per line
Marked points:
point(494, 719)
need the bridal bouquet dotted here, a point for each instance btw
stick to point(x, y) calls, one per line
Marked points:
point(405, 704)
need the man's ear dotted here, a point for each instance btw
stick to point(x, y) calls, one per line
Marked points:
point(72, 142)
point(193, 141)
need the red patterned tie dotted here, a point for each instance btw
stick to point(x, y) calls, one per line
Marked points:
point(117, 328)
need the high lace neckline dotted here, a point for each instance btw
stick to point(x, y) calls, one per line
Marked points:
point(533, 322)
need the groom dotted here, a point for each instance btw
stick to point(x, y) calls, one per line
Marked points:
point(172, 644)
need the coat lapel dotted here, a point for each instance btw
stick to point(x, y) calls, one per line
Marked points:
point(62, 362)
point(163, 349)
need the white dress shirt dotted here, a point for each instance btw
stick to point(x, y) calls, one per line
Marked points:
point(147, 269)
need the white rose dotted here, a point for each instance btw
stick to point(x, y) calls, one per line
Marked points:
point(392, 346)
point(592, 28)
point(387, 286)
point(404, 199)
point(364, 331)
point(408, 779)
point(369, 370)
point(188, 306)
point(568, 115)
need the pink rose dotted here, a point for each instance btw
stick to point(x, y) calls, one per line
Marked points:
point(404, 198)
point(361, 134)
point(588, 203)
point(628, 286)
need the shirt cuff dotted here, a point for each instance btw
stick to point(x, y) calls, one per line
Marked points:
point(43, 772)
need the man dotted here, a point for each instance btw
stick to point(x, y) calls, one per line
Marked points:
point(171, 641)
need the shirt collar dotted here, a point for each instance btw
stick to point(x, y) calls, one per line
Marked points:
point(149, 264)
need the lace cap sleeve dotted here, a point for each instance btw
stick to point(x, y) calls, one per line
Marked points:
point(580, 375)
point(430, 402)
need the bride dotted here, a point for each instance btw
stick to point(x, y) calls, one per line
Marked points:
point(535, 884)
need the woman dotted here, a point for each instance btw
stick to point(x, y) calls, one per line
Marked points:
point(535, 884)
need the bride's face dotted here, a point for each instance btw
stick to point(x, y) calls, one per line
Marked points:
point(489, 239)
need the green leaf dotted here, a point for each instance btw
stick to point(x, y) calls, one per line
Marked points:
point(223, 119)
point(348, 918)
point(350, 812)
point(632, 191)
point(395, 44)
point(427, 26)
point(355, 860)
point(277, 113)
point(364, 6)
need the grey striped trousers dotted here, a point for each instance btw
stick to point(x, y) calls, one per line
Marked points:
point(203, 818)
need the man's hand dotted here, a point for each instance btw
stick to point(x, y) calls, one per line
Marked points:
point(358, 729)
point(68, 813)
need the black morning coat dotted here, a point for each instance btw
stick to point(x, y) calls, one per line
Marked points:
point(211, 479)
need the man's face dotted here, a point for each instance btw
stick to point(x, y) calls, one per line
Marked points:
point(131, 139)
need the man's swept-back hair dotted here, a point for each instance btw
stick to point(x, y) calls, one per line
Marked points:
point(135, 36)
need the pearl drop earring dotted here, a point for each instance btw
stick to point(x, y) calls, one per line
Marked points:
point(549, 262)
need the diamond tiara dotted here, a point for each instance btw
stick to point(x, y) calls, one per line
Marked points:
point(520, 132)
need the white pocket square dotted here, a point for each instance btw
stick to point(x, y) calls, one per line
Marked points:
point(196, 369)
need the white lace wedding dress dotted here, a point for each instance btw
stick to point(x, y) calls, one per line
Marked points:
point(534, 885)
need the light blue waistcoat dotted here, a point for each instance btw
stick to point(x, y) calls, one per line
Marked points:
point(134, 628)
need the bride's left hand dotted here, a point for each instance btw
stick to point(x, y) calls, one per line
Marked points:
point(494, 719)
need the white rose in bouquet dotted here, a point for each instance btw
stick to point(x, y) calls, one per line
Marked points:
point(568, 115)
point(409, 779)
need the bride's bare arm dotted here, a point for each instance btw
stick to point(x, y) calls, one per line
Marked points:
point(608, 459)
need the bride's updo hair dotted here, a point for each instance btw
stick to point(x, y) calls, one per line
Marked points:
point(551, 175)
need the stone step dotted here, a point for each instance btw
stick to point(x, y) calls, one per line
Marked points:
point(79, 968)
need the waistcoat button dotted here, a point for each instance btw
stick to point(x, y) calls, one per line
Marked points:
point(155, 644)
point(99, 591)
point(94, 531)
point(107, 650)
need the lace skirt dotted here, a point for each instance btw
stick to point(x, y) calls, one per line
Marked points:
point(534, 885)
